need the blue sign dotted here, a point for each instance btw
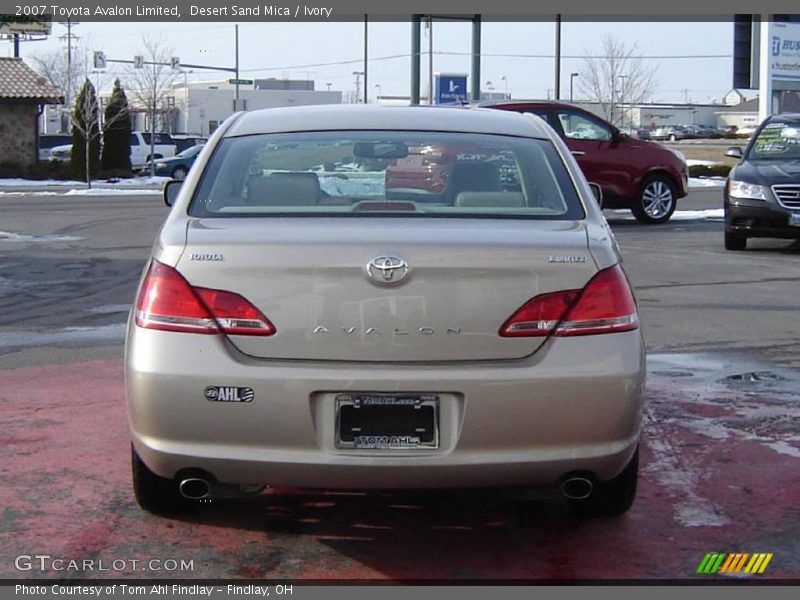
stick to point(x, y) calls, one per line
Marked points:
point(450, 89)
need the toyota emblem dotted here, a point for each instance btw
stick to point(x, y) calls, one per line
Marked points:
point(387, 270)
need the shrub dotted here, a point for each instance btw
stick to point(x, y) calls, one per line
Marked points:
point(717, 170)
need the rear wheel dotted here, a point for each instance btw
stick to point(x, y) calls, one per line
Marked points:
point(154, 493)
point(656, 201)
point(735, 241)
point(613, 497)
point(179, 173)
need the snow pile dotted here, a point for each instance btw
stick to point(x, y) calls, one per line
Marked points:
point(706, 182)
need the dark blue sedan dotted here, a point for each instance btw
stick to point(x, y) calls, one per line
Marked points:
point(178, 166)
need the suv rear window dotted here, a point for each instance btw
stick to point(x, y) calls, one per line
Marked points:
point(369, 173)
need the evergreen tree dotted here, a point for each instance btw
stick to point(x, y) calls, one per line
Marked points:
point(117, 142)
point(85, 160)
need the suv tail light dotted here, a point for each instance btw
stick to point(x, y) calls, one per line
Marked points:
point(605, 305)
point(169, 303)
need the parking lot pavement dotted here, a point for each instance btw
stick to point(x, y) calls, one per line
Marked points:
point(721, 439)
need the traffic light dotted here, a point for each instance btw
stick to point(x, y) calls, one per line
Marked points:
point(138, 62)
point(175, 62)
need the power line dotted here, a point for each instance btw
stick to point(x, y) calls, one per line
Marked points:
point(486, 55)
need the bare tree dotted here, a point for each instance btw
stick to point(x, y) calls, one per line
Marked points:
point(151, 87)
point(617, 76)
point(54, 68)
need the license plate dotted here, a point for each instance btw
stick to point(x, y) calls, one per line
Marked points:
point(794, 219)
point(387, 421)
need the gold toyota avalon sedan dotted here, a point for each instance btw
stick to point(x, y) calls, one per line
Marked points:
point(366, 297)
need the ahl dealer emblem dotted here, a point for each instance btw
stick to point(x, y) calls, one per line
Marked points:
point(224, 393)
point(387, 270)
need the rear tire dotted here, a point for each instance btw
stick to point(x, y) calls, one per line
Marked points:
point(656, 200)
point(735, 241)
point(613, 497)
point(154, 493)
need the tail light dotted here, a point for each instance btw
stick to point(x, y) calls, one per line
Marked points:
point(168, 302)
point(605, 305)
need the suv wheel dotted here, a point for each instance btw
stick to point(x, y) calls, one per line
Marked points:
point(735, 241)
point(655, 202)
point(613, 497)
point(155, 494)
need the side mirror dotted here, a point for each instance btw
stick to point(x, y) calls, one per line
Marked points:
point(171, 190)
point(598, 193)
point(734, 151)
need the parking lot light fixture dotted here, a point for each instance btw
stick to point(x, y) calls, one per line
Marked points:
point(572, 77)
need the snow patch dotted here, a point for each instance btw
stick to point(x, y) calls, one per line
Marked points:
point(690, 162)
point(10, 236)
point(109, 192)
point(706, 182)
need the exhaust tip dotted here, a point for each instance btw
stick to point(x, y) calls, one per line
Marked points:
point(194, 488)
point(577, 488)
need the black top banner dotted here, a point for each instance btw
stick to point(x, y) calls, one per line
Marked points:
point(348, 10)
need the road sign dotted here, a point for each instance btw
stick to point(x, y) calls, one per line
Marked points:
point(450, 88)
point(138, 62)
point(240, 81)
point(99, 60)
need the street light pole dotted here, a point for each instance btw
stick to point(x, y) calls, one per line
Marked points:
point(624, 79)
point(572, 77)
point(237, 68)
point(558, 57)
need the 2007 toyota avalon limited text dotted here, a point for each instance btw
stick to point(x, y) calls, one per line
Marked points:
point(316, 314)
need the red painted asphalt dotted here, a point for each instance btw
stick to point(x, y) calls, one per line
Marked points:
point(716, 477)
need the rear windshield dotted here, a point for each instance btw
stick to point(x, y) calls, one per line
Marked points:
point(777, 140)
point(377, 173)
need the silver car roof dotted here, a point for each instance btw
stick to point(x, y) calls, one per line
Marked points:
point(332, 117)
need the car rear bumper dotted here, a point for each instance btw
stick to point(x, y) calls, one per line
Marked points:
point(576, 405)
point(758, 218)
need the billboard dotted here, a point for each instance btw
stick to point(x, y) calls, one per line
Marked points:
point(784, 60)
point(24, 25)
point(450, 88)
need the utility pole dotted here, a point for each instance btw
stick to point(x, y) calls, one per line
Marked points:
point(366, 56)
point(69, 37)
point(358, 75)
point(430, 59)
point(16, 45)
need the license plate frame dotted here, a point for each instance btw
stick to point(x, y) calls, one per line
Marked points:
point(387, 421)
point(794, 219)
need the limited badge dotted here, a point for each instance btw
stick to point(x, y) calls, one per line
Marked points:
point(223, 393)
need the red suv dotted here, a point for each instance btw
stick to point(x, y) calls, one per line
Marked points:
point(642, 176)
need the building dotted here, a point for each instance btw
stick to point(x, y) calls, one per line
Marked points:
point(745, 114)
point(653, 115)
point(22, 96)
point(203, 105)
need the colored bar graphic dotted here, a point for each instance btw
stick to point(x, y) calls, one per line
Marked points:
point(741, 562)
point(720, 562)
point(703, 563)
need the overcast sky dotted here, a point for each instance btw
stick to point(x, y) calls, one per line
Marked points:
point(281, 50)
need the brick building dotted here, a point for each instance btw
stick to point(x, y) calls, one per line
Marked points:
point(22, 94)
